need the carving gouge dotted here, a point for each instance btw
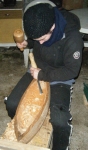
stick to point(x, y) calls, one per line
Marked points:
point(33, 64)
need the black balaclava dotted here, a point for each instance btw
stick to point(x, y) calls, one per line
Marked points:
point(38, 20)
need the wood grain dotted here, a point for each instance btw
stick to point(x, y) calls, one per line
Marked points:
point(32, 111)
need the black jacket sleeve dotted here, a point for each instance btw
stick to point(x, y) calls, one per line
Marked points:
point(30, 43)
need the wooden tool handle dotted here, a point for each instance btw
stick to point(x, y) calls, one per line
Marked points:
point(31, 56)
point(18, 36)
point(33, 64)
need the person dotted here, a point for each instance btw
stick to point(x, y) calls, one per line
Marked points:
point(57, 47)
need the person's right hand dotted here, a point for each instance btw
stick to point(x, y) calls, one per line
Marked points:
point(22, 45)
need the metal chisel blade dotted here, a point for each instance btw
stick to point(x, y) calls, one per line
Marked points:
point(40, 89)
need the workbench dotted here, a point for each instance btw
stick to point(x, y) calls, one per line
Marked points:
point(10, 20)
point(83, 17)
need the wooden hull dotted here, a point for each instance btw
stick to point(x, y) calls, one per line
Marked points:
point(32, 111)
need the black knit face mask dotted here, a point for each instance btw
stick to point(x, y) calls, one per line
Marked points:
point(38, 20)
point(45, 37)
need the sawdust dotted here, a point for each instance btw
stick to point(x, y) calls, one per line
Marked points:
point(9, 133)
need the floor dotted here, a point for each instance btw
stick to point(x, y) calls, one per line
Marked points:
point(11, 70)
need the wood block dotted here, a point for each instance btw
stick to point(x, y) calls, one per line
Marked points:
point(10, 145)
point(44, 135)
point(43, 139)
point(33, 108)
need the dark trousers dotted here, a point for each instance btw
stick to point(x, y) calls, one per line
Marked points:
point(59, 109)
point(16, 94)
point(60, 115)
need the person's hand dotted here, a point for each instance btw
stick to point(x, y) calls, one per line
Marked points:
point(34, 72)
point(22, 45)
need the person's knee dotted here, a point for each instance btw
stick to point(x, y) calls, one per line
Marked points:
point(16, 94)
point(11, 107)
point(59, 115)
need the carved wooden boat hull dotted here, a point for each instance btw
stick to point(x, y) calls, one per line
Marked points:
point(32, 111)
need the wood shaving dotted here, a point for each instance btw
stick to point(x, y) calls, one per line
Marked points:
point(9, 132)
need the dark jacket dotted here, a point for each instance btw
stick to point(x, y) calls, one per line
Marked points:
point(62, 60)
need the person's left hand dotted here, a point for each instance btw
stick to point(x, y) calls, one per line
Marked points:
point(34, 72)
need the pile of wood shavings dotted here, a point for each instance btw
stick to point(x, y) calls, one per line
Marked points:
point(9, 132)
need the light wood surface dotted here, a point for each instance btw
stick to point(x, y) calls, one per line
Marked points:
point(44, 136)
point(10, 14)
point(10, 20)
point(18, 35)
point(9, 145)
point(7, 28)
point(36, 106)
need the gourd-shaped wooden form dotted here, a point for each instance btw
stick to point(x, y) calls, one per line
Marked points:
point(32, 109)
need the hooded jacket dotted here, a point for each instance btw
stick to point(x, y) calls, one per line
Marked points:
point(62, 60)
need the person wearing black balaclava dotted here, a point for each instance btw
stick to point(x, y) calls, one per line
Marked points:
point(57, 47)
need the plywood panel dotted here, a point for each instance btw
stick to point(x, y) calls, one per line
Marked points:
point(10, 20)
point(72, 4)
point(7, 27)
